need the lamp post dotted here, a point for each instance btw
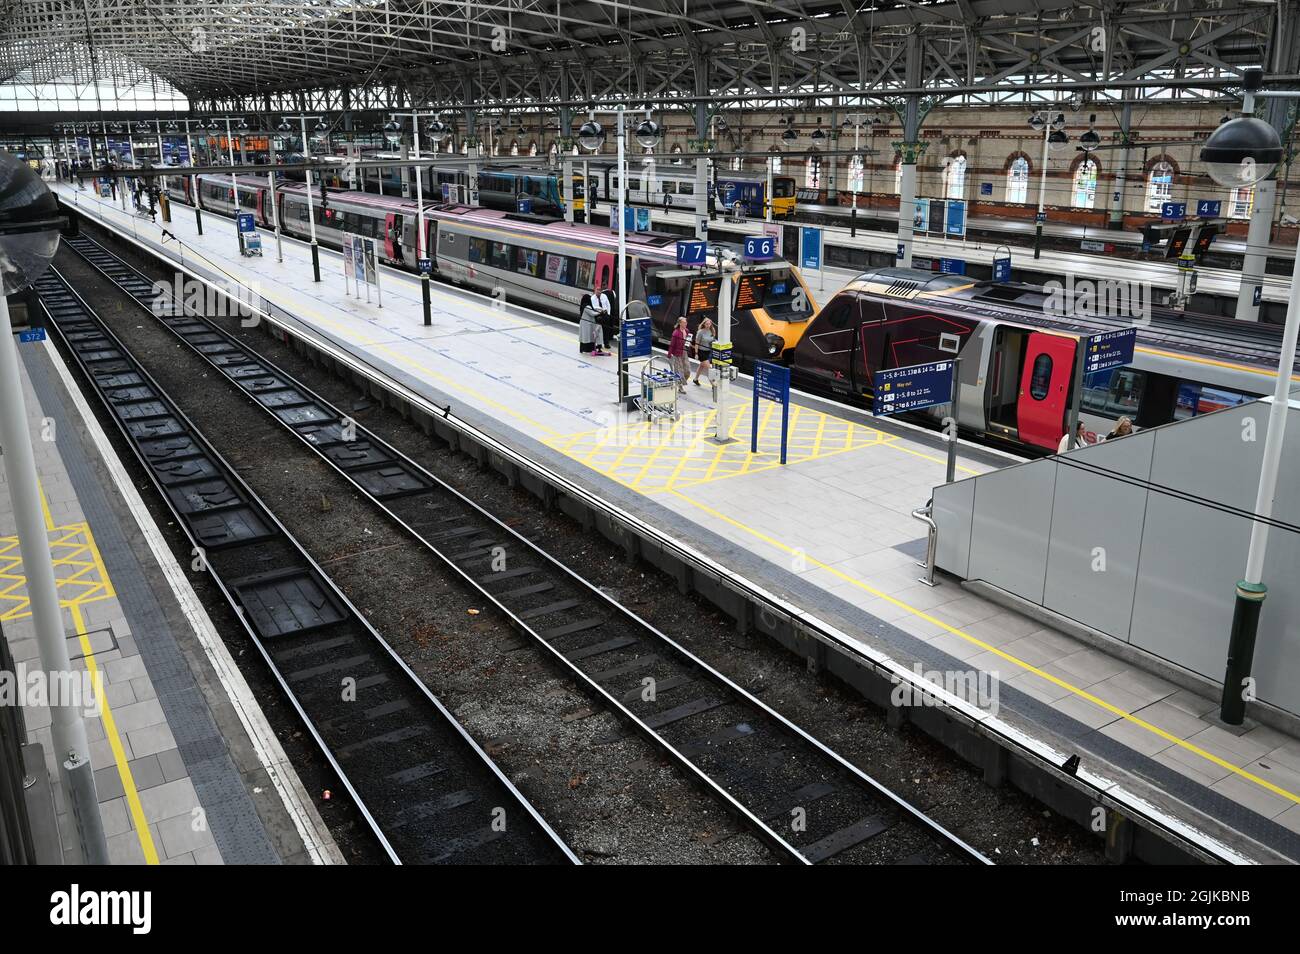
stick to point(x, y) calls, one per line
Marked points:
point(1053, 134)
point(194, 179)
point(394, 135)
point(1239, 153)
point(29, 236)
point(311, 211)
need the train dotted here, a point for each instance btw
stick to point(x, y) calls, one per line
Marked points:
point(500, 187)
point(1017, 343)
point(533, 259)
point(670, 186)
point(1018, 346)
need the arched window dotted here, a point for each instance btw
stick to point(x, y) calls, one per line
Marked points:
point(514, 148)
point(812, 172)
point(898, 176)
point(856, 169)
point(954, 177)
point(464, 147)
point(1241, 202)
point(1018, 180)
point(735, 163)
point(1085, 184)
point(532, 148)
point(677, 154)
point(554, 151)
point(1160, 185)
point(776, 160)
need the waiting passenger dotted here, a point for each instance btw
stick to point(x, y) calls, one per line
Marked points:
point(1080, 439)
point(1123, 428)
point(591, 339)
point(677, 354)
point(702, 345)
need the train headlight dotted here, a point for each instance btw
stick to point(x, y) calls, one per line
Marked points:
point(775, 345)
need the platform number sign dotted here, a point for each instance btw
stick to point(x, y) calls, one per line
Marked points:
point(1208, 208)
point(32, 334)
point(424, 266)
point(692, 253)
point(1173, 210)
point(759, 248)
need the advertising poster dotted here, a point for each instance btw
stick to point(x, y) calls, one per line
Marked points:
point(369, 261)
point(358, 259)
point(921, 217)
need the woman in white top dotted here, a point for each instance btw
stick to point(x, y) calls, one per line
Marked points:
point(1080, 440)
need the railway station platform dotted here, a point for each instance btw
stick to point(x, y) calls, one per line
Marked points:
point(187, 770)
point(831, 532)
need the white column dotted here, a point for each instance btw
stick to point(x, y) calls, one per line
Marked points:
point(906, 209)
point(1257, 238)
point(622, 222)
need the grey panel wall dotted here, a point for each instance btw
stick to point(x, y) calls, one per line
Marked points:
point(1119, 536)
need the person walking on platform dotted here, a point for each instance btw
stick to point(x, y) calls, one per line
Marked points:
point(1080, 440)
point(702, 346)
point(591, 338)
point(677, 354)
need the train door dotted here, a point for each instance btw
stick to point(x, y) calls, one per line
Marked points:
point(261, 208)
point(605, 272)
point(1044, 394)
point(393, 236)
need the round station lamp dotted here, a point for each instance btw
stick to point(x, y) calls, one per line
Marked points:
point(438, 131)
point(591, 135)
point(789, 135)
point(1242, 152)
point(818, 136)
point(647, 133)
point(1089, 140)
point(241, 126)
point(29, 225)
point(285, 126)
point(393, 132)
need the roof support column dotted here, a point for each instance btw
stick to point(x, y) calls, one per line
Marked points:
point(701, 145)
point(910, 150)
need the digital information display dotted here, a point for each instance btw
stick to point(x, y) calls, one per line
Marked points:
point(703, 294)
point(751, 291)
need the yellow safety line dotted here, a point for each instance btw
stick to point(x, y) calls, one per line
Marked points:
point(987, 647)
point(115, 742)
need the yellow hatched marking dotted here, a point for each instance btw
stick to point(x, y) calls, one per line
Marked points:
point(79, 571)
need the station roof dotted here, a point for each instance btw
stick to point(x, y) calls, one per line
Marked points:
point(531, 50)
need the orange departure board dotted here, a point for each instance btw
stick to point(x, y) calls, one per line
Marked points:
point(704, 294)
point(751, 290)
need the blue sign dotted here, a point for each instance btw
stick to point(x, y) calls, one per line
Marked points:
point(759, 248)
point(956, 222)
point(524, 204)
point(1173, 210)
point(911, 389)
point(637, 338)
point(1040, 217)
point(1111, 349)
point(779, 288)
point(1208, 208)
point(32, 334)
point(692, 253)
point(952, 266)
point(771, 383)
point(1002, 269)
point(654, 301)
point(424, 265)
point(246, 222)
point(986, 188)
point(629, 219)
point(902, 250)
point(810, 247)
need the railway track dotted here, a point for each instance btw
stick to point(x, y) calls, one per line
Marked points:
point(424, 787)
point(802, 799)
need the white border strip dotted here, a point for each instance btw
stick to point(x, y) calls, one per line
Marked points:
point(316, 838)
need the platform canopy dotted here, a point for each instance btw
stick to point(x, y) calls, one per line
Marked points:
point(273, 54)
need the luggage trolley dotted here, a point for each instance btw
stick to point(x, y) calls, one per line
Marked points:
point(659, 382)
